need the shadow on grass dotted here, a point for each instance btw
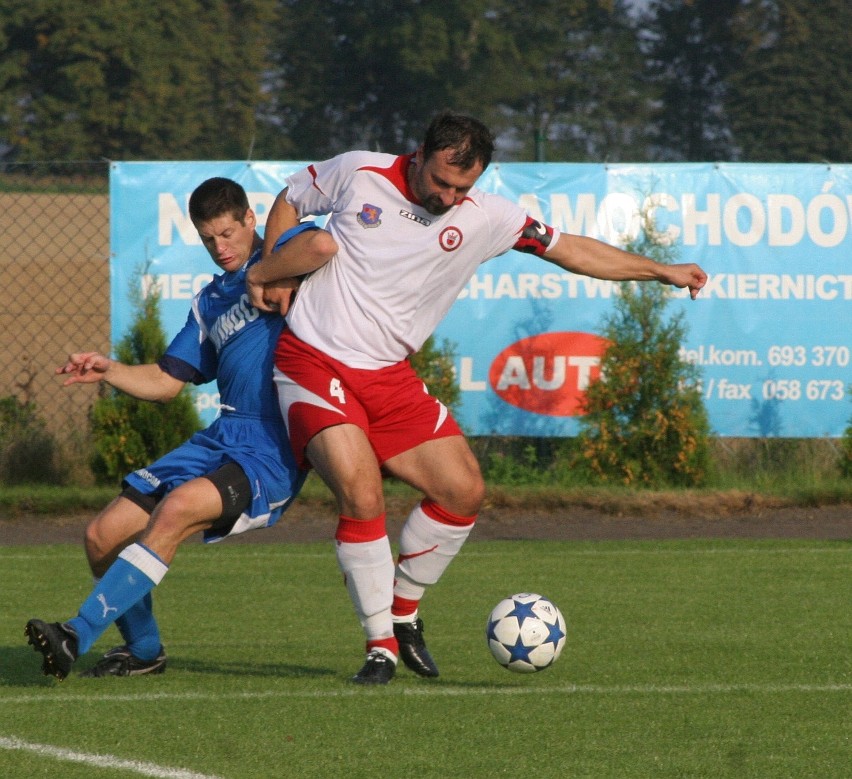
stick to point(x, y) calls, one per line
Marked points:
point(244, 668)
point(21, 667)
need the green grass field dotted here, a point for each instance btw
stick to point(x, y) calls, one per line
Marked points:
point(684, 659)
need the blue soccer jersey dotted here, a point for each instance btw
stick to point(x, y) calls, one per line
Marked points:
point(225, 338)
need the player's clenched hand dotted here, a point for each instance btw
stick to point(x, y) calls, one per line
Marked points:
point(257, 293)
point(86, 367)
point(685, 275)
point(278, 295)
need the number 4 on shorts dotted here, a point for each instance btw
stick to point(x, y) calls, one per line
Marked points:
point(336, 391)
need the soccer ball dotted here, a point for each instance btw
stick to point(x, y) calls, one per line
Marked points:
point(526, 632)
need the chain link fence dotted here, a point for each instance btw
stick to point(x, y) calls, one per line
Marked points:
point(54, 219)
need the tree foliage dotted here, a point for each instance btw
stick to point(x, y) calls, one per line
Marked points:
point(791, 98)
point(584, 80)
point(28, 451)
point(435, 365)
point(129, 433)
point(846, 448)
point(131, 79)
point(564, 79)
point(645, 422)
point(691, 51)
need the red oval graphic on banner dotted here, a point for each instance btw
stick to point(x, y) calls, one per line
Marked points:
point(548, 373)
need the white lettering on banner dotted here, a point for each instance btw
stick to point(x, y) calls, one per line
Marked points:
point(466, 381)
point(712, 355)
point(724, 286)
point(175, 286)
point(206, 400)
point(172, 216)
point(743, 219)
point(515, 373)
point(548, 286)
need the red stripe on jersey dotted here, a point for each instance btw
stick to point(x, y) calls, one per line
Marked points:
point(439, 514)
point(397, 174)
point(313, 172)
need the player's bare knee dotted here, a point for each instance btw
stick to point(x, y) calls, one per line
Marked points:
point(468, 500)
point(463, 494)
point(361, 499)
point(97, 548)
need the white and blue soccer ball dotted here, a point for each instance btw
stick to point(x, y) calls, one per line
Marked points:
point(526, 632)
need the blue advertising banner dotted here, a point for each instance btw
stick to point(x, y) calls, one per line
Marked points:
point(771, 332)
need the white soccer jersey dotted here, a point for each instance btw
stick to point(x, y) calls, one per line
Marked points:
point(399, 268)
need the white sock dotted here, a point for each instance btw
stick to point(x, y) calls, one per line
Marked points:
point(367, 568)
point(426, 548)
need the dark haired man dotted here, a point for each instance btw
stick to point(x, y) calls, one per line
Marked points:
point(411, 232)
point(236, 475)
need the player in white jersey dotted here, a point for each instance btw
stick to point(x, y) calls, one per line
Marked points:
point(237, 474)
point(411, 231)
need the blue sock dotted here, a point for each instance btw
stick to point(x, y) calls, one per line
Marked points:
point(139, 629)
point(128, 580)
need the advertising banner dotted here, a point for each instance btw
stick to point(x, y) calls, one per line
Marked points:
point(771, 332)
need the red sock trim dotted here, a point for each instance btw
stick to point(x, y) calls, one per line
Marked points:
point(440, 514)
point(358, 531)
point(391, 644)
point(402, 607)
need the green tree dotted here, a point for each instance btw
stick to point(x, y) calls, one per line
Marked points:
point(131, 79)
point(791, 98)
point(435, 365)
point(374, 73)
point(846, 448)
point(564, 80)
point(564, 69)
point(646, 425)
point(129, 433)
point(691, 50)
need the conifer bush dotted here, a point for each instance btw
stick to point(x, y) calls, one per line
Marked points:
point(435, 365)
point(645, 423)
point(28, 451)
point(129, 433)
point(846, 449)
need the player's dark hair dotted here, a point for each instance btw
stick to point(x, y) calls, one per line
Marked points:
point(470, 140)
point(215, 197)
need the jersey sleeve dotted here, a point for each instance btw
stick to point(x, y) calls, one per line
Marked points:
point(506, 222)
point(319, 188)
point(513, 228)
point(192, 347)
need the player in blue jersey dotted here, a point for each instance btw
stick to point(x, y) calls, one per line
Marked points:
point(237, 474)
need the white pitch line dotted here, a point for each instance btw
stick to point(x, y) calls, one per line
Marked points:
point(102, 761)
point(443, 691)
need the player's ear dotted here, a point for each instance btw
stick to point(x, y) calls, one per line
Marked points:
point(250, 219)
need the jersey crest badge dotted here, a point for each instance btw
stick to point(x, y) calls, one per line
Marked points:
point(370, 216)
point(450, 238)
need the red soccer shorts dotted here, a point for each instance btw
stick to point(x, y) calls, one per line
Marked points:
point(391, 405)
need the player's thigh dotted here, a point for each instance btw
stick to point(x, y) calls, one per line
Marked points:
point(114, 528)
point(445, 470)
point(192, 507)
point(344, 458)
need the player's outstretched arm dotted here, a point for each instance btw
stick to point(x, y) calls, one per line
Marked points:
point(146, 382)
point(590, 257)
